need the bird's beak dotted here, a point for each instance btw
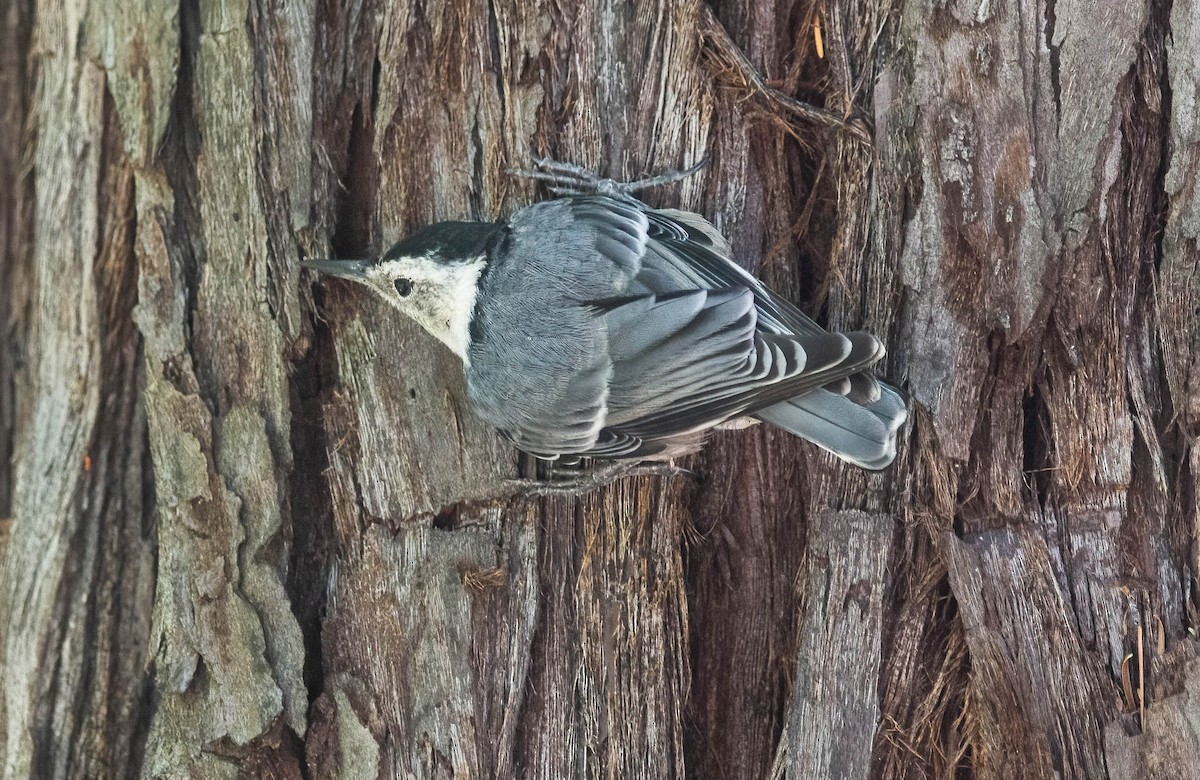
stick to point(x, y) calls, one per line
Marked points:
point(347, 269)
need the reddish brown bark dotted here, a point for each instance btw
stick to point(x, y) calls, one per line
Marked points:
point(248, 523)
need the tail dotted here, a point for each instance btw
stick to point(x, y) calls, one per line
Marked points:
point(863, 434)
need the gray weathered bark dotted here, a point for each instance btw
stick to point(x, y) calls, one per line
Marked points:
point(249, 525)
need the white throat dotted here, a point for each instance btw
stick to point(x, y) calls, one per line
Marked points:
point(445, 310)
point(457, 335)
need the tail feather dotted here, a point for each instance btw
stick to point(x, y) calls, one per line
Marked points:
point(863, 434)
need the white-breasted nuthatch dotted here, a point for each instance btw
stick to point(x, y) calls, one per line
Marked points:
point(595, 326)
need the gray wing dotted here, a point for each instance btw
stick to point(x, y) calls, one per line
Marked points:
point(854, 416)
point(685, 249)
point(684, 362)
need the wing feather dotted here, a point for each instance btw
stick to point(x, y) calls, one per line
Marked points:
point(677, 368)
point(685, 248)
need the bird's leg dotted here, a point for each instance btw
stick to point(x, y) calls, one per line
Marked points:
point(581, 482)
point(558, 179)
point(669, 176)
point(570, 179)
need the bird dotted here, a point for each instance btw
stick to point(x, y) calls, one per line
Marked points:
point(592, 325)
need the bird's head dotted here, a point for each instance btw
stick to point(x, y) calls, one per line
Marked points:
point(431, 276)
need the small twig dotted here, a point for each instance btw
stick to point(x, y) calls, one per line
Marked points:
point(1127, 681)
point(1141, 689)
point(713, 31)
point(800, 226)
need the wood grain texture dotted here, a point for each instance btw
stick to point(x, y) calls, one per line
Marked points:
point(250, 527)
point(835, 704)
point(15, 228)
point(55, 423)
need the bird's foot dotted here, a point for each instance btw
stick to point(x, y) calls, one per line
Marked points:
point(563, 482)
point(563, 178)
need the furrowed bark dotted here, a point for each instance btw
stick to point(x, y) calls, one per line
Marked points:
point(250, 526)
point(1031, 259)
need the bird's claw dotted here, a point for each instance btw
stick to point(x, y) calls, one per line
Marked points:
point(576, 483)
point(565, 178)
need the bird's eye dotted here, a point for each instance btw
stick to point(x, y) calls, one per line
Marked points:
point(403, 286)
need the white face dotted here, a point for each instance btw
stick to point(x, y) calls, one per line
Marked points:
point(439, 296)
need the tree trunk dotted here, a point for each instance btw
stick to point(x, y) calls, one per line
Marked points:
point(248, 524)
